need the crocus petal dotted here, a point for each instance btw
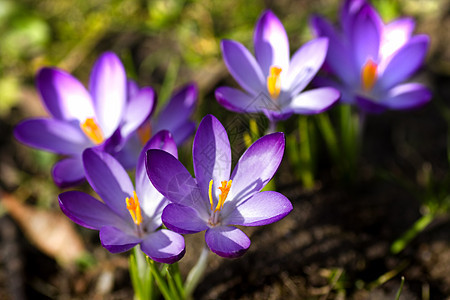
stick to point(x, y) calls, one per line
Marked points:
point(305, 64)
point(405, 62)
point(137, 111)
point(64, 96)
point(87, 211)
point(255, 168)
point(171, 179)
point(348, 11)
point(211, 154)
point(395, 35)
point(183, 132)
point(227, 241)
point(347, 95)
point(407, 96)
point(152, 202)
point(164, 246)
point(314, 101)
point(108, 86)
point(339, 58)
point(366, 36)
point(132, 88)
point(238, 101)
point(109, 180)
point(183, 219)
point(243, 67)
point(178, 110)
point(52, 135)
point(68, 172)
point(261, 209)
point(370, 105)
point(271, 43)
point(115, 240)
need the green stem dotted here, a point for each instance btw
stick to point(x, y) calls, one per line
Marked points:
point(306, 165)
point(162, 285)
point(196, 273)
point(399, 292)
point(400, 244)
point(329, 135)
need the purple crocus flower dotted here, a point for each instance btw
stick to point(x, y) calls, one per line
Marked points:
point(127, 216)
point(174, 117)
point(272, 82)
point(102, 117)
point(369, 60)
point(214, 200)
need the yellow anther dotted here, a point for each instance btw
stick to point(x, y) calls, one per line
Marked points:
point(224, 189)
point(369, 75)
point(144, 133)
point(134, 208)
point(92, 131)
point(274, 82)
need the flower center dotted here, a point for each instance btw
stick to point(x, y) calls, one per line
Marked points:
point(134, 208)
point(144, 132)
point(369, 75)
point(274, 82)
point(92, 131)
point(224, 189)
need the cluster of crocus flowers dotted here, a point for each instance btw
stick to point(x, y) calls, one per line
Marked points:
point(101, 117)
point(108, 117)
point(127, 216)
point(370, 60)
point(215, 201)
point(273, 83)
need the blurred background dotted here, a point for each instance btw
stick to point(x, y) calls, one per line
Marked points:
point(334, 245)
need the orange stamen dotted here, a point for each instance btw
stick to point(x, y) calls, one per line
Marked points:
point(92, 131)
point(224, 190)
point(274, 82)
point(369, 75)
point(134, 208)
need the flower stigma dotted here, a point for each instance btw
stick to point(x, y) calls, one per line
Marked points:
point(92, 131)
point(224, 189)
point(274, 82)
point(369, 75)
point(134, 208)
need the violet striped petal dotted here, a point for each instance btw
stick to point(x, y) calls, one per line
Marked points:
point(271, 43)
point(68, 172)
point(314, 101)
point(239, 101)
point(171, 179)
point(211, 154)
point(63, 95)
point(227, 241)
point(183, 219)
point(407, 96)
point(261, 209)
point(243, 67)
point(405, 62)
point(164, 246)
point(87, 211)
point(305, 64)
point(115, 240)
point(255, 168)
point(339, 58)
point(178, 110)
point(366, 36)
point(52, 135)
point(138, 109)
point(109, 180)
point(108, 86)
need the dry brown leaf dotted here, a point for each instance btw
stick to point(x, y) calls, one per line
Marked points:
point(51, 232)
